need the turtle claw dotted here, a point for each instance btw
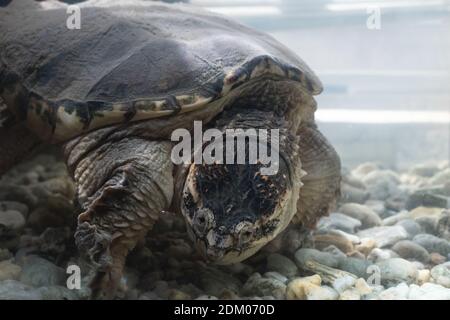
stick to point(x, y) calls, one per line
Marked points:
point(107, 281)
point(105, 284)
point(95, 243)
point(108, 268)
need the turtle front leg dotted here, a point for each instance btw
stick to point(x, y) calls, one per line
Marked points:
point(321, 184)
point(122, 186)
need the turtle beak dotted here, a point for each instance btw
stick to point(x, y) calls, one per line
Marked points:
point(214, 246)
point(214, 254)
point(209, 254)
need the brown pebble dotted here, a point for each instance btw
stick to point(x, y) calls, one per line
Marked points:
point(366, 246)
point(322, 241)
point(178, 295)
point(228, 294)
point(437, 258)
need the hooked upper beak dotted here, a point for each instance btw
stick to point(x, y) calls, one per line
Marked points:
point(210, 254)
point(214, 254)
point(214, 246)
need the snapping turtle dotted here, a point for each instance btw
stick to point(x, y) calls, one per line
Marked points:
point(112, 93)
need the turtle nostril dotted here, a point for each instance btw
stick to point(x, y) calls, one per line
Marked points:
point(245, 237)
point(244, 231)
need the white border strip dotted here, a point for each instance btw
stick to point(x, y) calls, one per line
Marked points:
point(382, 116)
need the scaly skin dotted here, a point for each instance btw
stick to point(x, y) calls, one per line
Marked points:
point(122, 187)
point(321, 188)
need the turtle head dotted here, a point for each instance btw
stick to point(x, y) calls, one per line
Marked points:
point(232, 211)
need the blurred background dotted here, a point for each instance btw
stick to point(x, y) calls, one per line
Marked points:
point(385, 66)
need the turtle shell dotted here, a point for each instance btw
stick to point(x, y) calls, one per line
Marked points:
point(130, 61)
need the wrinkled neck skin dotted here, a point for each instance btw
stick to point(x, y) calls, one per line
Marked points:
point(289, 164)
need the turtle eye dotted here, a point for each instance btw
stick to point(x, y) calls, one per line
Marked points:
point(203, 220)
